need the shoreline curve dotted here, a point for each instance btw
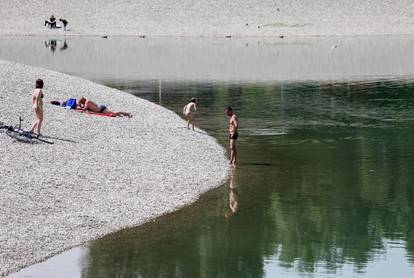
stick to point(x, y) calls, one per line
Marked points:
point(101, 175)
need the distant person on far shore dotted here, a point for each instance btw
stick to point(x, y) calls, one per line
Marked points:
point(37, 104)
point(188, 112)
point(64, 22)
point(89, 105)
point(233, 135)
point(51, 22)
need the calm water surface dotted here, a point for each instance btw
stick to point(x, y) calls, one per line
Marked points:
point(324, 187)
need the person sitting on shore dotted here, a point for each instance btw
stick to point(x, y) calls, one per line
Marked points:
point(188, 112)
point(88, 105)
point(51, 22)
point(64, 22)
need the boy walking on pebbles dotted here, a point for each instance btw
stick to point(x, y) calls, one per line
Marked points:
point(188, 112)
point(233, 135)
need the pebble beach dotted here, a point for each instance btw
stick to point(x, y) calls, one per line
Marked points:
point(210, 18)
point(102, 174)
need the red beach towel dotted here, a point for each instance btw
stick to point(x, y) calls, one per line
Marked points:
point(95, 113)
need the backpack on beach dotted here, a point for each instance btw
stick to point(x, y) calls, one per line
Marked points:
point(70, 103)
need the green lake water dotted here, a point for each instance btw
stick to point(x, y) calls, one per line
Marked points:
point(324, 187)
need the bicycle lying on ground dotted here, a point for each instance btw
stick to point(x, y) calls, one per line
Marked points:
point(16, 132)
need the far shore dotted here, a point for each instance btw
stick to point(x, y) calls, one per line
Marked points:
point(243, 18)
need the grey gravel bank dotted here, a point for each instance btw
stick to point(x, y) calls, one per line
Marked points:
point(242, 18)
point(101, 175)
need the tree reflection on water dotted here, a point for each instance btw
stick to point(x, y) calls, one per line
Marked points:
point(325, 192)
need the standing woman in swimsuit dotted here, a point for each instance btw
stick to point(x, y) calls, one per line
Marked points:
point(37, 102)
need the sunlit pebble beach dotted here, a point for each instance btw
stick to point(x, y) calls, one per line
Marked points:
point(101, 174)
point(210, 18)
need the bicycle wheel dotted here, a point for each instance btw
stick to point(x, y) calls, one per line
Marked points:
point(19, 136)
point(43, 140)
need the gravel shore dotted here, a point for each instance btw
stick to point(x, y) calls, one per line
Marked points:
point(101, 174)
point(210, 18)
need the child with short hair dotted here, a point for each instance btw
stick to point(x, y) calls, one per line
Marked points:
point(188, 112)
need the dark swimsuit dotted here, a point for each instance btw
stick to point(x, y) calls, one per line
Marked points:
point(102, 108)
point(234, 137)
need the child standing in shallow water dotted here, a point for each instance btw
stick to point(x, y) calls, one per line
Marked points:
point(37, 102)
point(188, 112)
point(233, 134)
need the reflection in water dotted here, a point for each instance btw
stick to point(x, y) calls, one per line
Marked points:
point(233, 195)
point(220, 59)
point(52, 45)
point(64, 46)
point(327, 191)
point(324, 187)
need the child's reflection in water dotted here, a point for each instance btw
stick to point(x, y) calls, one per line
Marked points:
point(233, 196)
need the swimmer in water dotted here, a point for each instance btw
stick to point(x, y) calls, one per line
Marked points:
point(188, 112)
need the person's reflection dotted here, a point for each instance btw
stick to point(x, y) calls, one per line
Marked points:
point(64, 46)
point(52, 45)
point(233, 196)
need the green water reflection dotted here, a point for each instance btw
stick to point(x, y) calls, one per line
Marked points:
point(325, 183)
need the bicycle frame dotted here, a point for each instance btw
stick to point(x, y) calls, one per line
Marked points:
point(21, 135)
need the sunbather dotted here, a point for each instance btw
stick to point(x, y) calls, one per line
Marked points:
point(88, 105)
